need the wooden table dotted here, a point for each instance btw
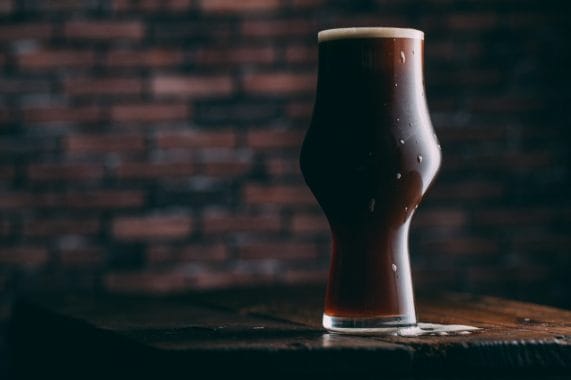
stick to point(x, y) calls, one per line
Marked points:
point(276, 333)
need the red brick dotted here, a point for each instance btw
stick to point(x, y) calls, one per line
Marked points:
point(475, 134)
point(281, 250)
point(280, 28)
point(60, 226)
point(6, 228)
point(197, 252)
point(153, 170)
point(109, 143)
point(516, 217)
point(6, 172)
point(305, 4)
point(232, 6)
point(227, 279)
point(282, 167)
point(152, 227)
point(235, 56)
point(501, 161)
point(192, 86)
point(103, 86)
point(5, 116)
point(298, 276)
point(153, 58)
point(97, 199)
point(15, 201)
point(490, 77)
point(542, 243)
point(6, 6)
point(467, 190)
point(56, 59)
point(25, 31)
point(63, 114)
point(462, 246)
point(21, 86)
point(88, 257)
point(64, 172)
point(473, 21)
point(504, 104)
point(152, 5)
point(274, 139)
point(309, 224)
point(449, 218)
point(300, 110)
point(104, 30)
point(149, 113)
point(302, 54)
point(148, 282)
point(279, 83)
point(197, 139)
point(86, 200)
point(220, 223)
point(23, 256)
point(278, 195)
point(224, 168)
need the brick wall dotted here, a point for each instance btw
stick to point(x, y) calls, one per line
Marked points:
point(151, 146)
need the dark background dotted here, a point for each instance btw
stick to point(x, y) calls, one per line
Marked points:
point(151, 146)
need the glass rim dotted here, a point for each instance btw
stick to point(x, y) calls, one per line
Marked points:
point(368, 32)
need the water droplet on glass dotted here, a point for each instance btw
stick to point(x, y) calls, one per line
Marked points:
point(396, 84)
point(415, 207)
point(401, 141)
point(402, 57)
point(394, 267)
point(412, 51)
point(419, 158)
point(399, 176)
point(372, 205)
point(439, 147)
point(398, 119)
point(410, 124)
point(405, 208)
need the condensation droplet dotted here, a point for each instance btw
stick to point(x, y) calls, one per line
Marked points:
point(372, 205)
point(439, 147)
point(419, 158)
point(398, 119)
point(396, 84)
point(399, 176)
point(410, 124)
point(412, 51)
point(402, 57)
point(401, 141)
point(405, 208)
point(394, 267)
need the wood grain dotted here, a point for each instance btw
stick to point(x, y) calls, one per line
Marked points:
point(278, 330)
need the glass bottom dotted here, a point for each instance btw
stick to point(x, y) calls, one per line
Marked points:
point(367, 326)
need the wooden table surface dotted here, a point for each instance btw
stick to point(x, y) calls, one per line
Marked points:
point(277, 333)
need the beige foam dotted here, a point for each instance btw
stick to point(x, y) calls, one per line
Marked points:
point(376, 32)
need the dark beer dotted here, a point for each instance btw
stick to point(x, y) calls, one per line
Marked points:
point(368, 157)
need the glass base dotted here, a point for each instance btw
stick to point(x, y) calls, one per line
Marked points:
point(367, 326)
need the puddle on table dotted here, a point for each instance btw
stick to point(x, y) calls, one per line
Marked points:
point(435, 329)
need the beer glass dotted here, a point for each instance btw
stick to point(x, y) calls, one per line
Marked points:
point(368, 157)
